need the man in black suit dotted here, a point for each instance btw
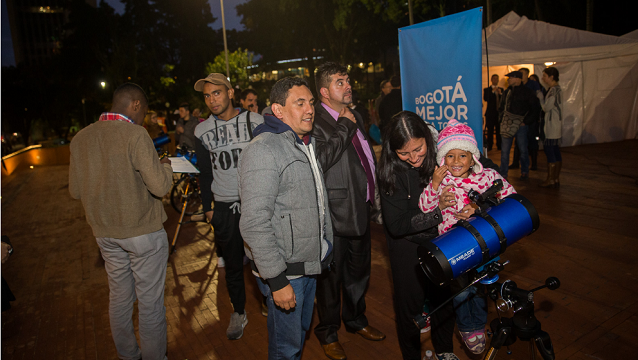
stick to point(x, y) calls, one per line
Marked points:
point(391, 103)
point(492, 95)
point(348, 162)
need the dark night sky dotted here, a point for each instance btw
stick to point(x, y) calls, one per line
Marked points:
point(232, 22)
point(608, 22)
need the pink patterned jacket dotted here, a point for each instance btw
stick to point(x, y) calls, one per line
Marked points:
point(480, 182)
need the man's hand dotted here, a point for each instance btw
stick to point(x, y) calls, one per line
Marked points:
point(346, 113)
point(209, 215)
point(179, 129)
point(447, 198)
point(165, 160)
point(285, 297)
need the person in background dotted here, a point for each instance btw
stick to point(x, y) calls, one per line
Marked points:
point(186, 127)
point(391, 104)
point(552, 128)
point(361, 109)
point(492, 95)
point(385, 88)
point(153, 127)
point(116, 173)
point(532, 122)
point(518, 108)
point(248, 100)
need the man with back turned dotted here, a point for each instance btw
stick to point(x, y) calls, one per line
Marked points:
point(114, 169)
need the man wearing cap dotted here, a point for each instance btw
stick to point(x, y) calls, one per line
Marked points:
point(518, 105)
point(222, 137)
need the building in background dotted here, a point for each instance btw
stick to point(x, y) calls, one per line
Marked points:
point(37, 27)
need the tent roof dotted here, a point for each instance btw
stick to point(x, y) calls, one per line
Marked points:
point(631, 35)
point(517, 40)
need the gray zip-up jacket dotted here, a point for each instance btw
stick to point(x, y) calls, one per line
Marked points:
point(285, 218)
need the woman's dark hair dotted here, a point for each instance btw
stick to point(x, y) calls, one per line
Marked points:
point(404, 126)
point(552, 71)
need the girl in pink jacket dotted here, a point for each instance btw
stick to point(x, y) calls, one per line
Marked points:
point(460, 171)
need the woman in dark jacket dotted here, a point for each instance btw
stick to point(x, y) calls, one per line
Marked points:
point(406, 165)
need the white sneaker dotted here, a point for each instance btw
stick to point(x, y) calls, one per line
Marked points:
point(236, 326)
point(220, 262)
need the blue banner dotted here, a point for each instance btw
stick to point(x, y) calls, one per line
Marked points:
point(441, 70)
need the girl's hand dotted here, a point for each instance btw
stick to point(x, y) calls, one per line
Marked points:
point(465, 213)
point(447, 198)
point(437, 177)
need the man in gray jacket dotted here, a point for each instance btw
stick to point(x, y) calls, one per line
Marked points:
point(286, 222)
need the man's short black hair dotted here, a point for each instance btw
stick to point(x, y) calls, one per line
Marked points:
point(129, 92)
point(244, 94)
point(186, 106)
point(279, 91)
point(325, 71)
point(526, 70)
point(395, 81)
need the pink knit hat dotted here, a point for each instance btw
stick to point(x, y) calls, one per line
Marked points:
point(458, 136)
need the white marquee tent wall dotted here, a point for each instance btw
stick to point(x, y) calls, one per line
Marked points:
point(598, 74)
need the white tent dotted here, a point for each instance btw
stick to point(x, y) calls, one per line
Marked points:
point(598, 74)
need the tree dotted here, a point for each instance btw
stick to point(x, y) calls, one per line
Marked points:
point(238, 62)
point(338, 30)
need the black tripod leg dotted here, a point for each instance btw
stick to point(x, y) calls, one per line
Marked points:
point(544, 345)
point(499, 339)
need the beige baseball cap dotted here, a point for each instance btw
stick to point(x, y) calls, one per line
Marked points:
point(213, 78)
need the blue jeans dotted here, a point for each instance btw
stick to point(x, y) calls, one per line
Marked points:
point(552, 150)
point(287, 329)
point(471, 310)
point(506, 146)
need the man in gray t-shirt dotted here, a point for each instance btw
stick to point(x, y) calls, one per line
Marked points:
point(220, 141)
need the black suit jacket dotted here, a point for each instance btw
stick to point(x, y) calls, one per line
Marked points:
point(492, 101)
point(344, 175)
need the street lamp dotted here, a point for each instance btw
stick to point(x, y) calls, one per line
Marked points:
point(221, 3)
point(103, 84)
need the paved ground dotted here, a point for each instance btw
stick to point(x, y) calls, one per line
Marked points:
point(587, 238)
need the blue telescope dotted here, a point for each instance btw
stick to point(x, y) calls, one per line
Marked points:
point(473, 243)
point(161, 140)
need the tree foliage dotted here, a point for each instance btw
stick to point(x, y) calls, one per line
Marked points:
point(162, 45)
point(238, 63)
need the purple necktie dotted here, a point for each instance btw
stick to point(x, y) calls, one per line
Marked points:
point(366, 165)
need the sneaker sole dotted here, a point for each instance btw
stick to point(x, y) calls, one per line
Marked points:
point(241, 334)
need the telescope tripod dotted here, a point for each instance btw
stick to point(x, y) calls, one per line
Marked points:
point(523, 325)
point(506, 295)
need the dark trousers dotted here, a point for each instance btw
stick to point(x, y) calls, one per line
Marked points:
point(492, 127)
point(411, 288)
point(225, 221)
point(347, 278)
